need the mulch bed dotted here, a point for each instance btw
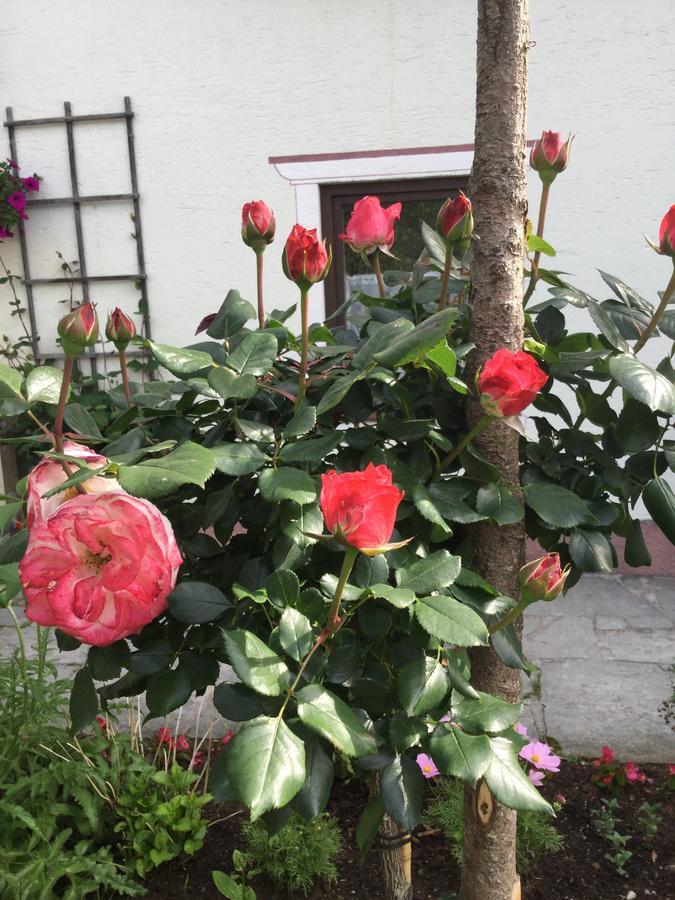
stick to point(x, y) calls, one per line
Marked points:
point(578, 872)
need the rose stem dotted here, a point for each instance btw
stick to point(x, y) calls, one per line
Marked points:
point(378, 275)
point(665, 299)
point(447, 268)
point(125, 376)
point(534, 275)
point(259, 278)
point(476, 430)
point(302, 375)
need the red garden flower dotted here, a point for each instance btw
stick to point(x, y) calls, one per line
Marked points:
point(371, 226)
point(667, 233)
point(120, 329)
point(550, 155)
point(543, 579)
point(79, 329)
point(455, 222)
point(509, 381)
point(305, 259)
point(359, 508)
point(257, 225)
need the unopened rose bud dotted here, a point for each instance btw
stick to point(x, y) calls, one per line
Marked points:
point(667, 234)
point(257, 225)
point(550, 155)
point(305, 258)
point(79, 329)
point(542, 579)
point(120, 329)
point(455, 223)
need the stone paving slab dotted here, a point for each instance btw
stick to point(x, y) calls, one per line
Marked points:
point(603, 652)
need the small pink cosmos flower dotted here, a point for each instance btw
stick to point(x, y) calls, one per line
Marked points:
point(520, 729)
point(540, 756)
point(536, 777)
point(427, 765)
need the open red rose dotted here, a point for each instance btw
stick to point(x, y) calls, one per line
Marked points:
point(257, 225)
point(100, 567)
point(360, 507)
point(305, 259)
point(667, 233)
point(509, 381)
point(370, 226)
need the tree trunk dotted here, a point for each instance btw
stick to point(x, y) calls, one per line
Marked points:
point(497, 192)
point(395, 849)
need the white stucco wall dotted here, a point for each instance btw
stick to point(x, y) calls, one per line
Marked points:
point(219, 86)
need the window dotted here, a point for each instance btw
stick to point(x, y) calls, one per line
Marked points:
point(421, 199)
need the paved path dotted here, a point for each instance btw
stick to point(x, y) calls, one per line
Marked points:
point(603, 652)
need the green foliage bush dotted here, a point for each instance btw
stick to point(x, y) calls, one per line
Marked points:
point(536, 835)
point(298, 855)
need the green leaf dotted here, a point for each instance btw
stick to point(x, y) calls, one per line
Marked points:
point(463, 755)
point(444, 357)
point(266, 765)
point(179, 361)
point(238, 458)
point(537, 244)
point(167, 691)
point(643, 383)
point(369, 824)
point(302, 422)
point(433, 242)
point(9, 512)
point(299, 521)
point(80, 420)
point(451, 621)
point(295, 634)
point(254, 355)
point(458, 678)
point(238, 703)
point(659, 499)
point(508, 782)
point(422, 685)
point(556, 505)
point(256, 431)
point(508, 647)
point(227, 886)
point(83, 700)
point(401, 598)
point(312, 451)
point(287, 484)
point(10, 383)
point(10, 581)
point(314, 795)
point(234, 313)
point(196, 602)
point(337, 391)
point(637, 428)
point(636, 552)
point(498, 503)
point(188, 464)
point(591, 550)
point(380, 339)
point(231, 386)
point(43, 385)
point(257, 666)
point(426, 507)
point(330, 717)
point(283, 588)
point(606, 326)
point(433, 573)
point(402, 790)
point(416, 343)
point(488, 713)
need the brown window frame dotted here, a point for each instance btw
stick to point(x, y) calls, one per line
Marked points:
point(334, 196)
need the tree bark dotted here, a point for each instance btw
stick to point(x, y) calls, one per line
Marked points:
point(395, 849)
point(497, 191)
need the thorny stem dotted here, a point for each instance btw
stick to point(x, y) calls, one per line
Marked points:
point(482, 423)
point(661, 308)
point(534, 275)
point(378, 274)
point(63, 396)
point(304, 356)
point(447, 269)
point(510, 617)
point(125, 376)
point(259, 277)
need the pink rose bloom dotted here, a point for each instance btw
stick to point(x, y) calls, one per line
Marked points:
point(427, 765)
point(540, 756)
point(371, 226)
point(100, 567)
point(49, 474)
point(536, 777)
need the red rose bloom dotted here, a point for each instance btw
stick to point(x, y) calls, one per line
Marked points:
point(120, 329)
point(543, 579)
point(550, 155)
point(257, 225)
point(455, 219)
point(360, 507)
point(509, 381)
point(305, 258)
point(667, 233)
point(370, 226)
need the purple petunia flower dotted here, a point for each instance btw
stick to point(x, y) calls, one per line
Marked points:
point(31, 183)
point(17, 200)
point(5, 233)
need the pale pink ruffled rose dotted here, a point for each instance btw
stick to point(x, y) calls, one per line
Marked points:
point(49, 474)
point(100, 567)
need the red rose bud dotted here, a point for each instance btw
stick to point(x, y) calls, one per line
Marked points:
point(667, 233)
point(257, 225)
point(79, 329)
point(550, 155)
point(359, 508)
point(370, 226)
point(542, 579)
point(455, 223)
point(305, 258)
point(120, 329)
point(508, 382)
